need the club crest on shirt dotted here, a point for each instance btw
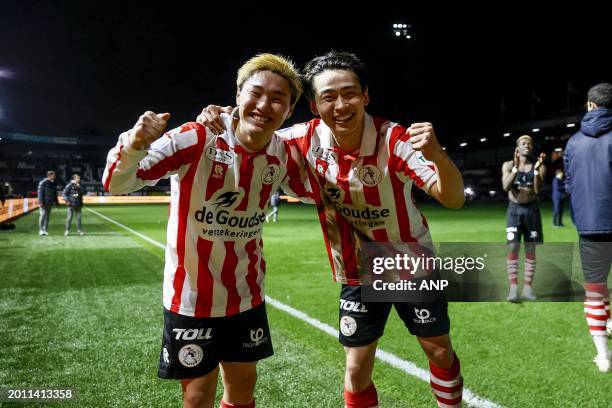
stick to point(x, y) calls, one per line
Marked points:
point(270, 174)
point(219, 155)
point(324, 154)
point(370, 175)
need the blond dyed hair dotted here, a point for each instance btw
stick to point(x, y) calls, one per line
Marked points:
point(524, 137)
point(273, 63)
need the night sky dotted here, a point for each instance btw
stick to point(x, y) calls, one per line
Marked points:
point(89, 69)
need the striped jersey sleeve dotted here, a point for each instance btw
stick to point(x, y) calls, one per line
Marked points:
point(408, 161)
point(129, 170)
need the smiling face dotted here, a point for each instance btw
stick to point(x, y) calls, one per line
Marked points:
point(264, 103)
point(525, 147)
point(340, 101)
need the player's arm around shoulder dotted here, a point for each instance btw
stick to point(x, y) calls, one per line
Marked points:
point(296, 183)
point(448, 188)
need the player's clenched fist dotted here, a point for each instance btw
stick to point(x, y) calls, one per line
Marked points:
point(423, 139)
point(149, 128)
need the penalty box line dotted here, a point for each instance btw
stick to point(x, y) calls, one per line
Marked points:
point(393, 360)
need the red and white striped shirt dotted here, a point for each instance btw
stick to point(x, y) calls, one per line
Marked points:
point(219, 193)
point(365, 197)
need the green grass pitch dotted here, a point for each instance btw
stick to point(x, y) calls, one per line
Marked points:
point(85, 313)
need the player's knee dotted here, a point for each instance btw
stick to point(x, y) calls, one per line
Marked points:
point(441, 356)
point(240, 389)
point(196, 398)
point(198, 393)
point(358, 373)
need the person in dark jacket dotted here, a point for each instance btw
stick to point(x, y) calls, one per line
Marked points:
point(588, 170)
point(558, 197)
point(73, 196)
point(47, 197)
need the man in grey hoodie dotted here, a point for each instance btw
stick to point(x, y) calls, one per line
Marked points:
point(588, 167)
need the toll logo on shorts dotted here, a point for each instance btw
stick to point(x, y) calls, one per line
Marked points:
point(190, 355)
point(348, 326)
point(351, 306)
point(257, 337)
point(193, 334)
point(423, 316)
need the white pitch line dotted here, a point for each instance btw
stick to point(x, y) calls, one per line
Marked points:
point(394, 361)
point(125, 227)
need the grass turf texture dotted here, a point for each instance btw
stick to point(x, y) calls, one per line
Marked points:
point(85, 313)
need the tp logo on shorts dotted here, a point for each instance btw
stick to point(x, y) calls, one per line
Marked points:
point(190, 355)
point(348, 326)
point(257, 335)
point(423, 316)
point(257, 338)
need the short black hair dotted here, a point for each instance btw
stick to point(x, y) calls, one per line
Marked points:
point(601, 95)
point(333, 60)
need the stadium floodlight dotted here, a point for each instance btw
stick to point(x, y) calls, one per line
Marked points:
point(483, 139)
point(535, 130)
point(443, 147)
point(492, 193)
point(558, 149)
point(506, 134)
point(469, 191)
point(571, 125)
point(6, 73)
point(463, 144)
point(402, 30)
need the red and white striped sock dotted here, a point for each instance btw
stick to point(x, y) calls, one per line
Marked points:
point(367, 398)
point(228, 405)
point(530, 266)
point(447, 384)
point(596, 296)
point(512, 268)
